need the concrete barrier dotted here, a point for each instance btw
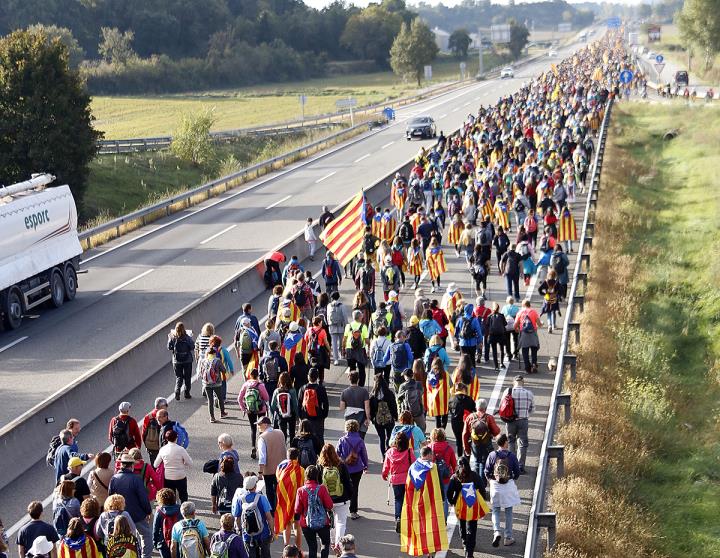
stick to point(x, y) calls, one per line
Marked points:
point(25, 439)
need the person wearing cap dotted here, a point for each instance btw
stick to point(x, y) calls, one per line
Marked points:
point(151, 478)
point(123, 431)
point(390, 275)
point(271, 452)
point(137, 504)
point(75, 465)
point(30, 535)
point(415, 338)
point(257, 546)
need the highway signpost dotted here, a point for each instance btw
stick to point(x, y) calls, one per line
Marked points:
point(428, 72)
point(303, 100)
point(659, 59)
point(659, 67)
point(348, 103)
point(626, 77)
point(500, 34)
point(613, 22)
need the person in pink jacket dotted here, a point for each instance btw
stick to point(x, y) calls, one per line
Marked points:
point(445, 460)
point(254, 401)
point(395, 469)
point(306, 513)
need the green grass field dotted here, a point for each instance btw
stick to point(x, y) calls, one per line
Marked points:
point(127, 117)
point(670, 46)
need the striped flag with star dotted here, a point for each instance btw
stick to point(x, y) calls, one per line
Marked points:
point(566, 226)
point(423, 529)
point(438, 394)
point(343, 236)
point(435, 260)
point(470, 505)
point(290, 476)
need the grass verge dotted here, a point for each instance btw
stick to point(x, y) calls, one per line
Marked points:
point(672, 48)
point(642, 450)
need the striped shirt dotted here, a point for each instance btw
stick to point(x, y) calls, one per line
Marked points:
point(523, 402)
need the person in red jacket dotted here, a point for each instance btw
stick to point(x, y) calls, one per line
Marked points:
point(123, 432)
point(439, 316)
point(442, 451)
point(479, 448)
point(395, 469)
point(312, 489)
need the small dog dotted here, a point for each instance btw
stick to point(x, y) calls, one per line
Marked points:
point(552, 364)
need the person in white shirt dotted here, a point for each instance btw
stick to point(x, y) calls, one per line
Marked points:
point(176, 462)
point(311, 238)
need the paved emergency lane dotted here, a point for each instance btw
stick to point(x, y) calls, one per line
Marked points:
point(131, 286)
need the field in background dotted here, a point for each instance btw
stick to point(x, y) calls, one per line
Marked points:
point(129, 117)
point(671, 48)
point(642, 449)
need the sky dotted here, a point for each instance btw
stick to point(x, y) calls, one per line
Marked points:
point(322, 3)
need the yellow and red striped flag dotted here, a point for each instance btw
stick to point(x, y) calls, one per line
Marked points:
point(290, 476)
point(387, 227)
point(423, 529)
point(292, 344)
point(454, 231)
point(343, 236)
point(415, 262)
point(566, 228)
point(470, 505)
point(254, 364)
point(376, 224)
point(435, 260)
point(438, 394)
point(398, 196)
point(502, 214)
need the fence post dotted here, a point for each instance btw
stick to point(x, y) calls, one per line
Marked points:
point(564, 400)
point(549, 522)
point(558, 453)
point(571, 360)
point(579, 300)
point(574, 327)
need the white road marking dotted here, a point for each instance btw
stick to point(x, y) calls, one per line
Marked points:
point(451, 524)
point(467, 104)
point(387, 145)
point(456, 109)
point(126, 283)
point(442, 116)
point(319, 180)
point(361, 158)
point(9, 345)
point(213, 237)
point(278, 202)
point(477, 98)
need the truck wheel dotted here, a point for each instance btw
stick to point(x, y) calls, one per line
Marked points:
point(70, 282)
point(12, 310)
point(57, 288)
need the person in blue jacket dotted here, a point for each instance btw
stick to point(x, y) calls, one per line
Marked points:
point(468, 333)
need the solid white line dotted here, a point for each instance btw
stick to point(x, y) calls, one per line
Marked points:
point(387, 145)
point(363, 157)
point(442, 116)
point(6, 347)
point(456, 109)
point(126, 283)
point(319, 180)
point(451, 524)
point(213, 237)
point(278, 202)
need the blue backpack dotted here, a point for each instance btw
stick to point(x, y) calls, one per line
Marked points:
point(316, 516)
point(183, 438)
point(398, 356)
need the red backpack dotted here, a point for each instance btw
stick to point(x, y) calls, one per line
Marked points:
point(310, 402)
point(167, 525)
point(506, 412)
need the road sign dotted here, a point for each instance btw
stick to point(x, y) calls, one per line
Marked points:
point(659, 59)
point(613, 22)
point(626, 76)
point(428, 72)
point(659, 68)
point(346, 103)
point(463, 70)
point(303, 99)
point(500, 34)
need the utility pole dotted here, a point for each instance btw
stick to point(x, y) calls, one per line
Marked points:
point(481, 69)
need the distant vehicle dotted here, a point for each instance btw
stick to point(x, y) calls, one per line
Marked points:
point(552, 53)
point(681, 78)
point(507, 72)
point(650, 55)
point(421, 127)
point(39, 249)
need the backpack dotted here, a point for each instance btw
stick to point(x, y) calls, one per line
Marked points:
point(252, 399)
point(270, 369)
point(61, 518)
point(329, 271)
point(314, 345)
point(479, 431)
point(356, 339)
point(55, 444)
point(558, 263)
point(398, 356)
point(183, 439)
point(168, 521)
point(411, 401)
point(467, 331)
point(518, 205)
point(285, 404)
point(379, 348)
point(383, 416)
point(310, 402)
point(152, 435)
point(220, 548)
point(316, 516)
point(379, 320)
point(486, 236)
point(307, 452)
point(121, 433)
point(501, 471)
point(299, 296)
point(369, 244)
point(191, 545)
point(443, 469)
point(366, 279)
point(274, 306)
point(246, 344)
point(335, 316)
point(496, 324)
point(544, 245)
point(181, 351)
point(210, 370)
point(527, 325)
point(506, 412)
point(430, 358)
point(331, 480)
point(397, 258)
point(251, 519)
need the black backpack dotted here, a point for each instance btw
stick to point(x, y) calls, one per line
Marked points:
point(558, 263)
point(466, 330)
point(307, 452)
point(496, 324)
point(398, 356)
point(300, 297)
point(55, 443)
point(121, 433)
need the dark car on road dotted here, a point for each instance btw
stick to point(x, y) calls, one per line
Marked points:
point(681, 79)
point(421, 127)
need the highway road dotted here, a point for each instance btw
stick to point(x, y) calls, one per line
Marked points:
point(136, 282)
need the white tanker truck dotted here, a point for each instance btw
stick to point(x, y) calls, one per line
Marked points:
point(39, 247)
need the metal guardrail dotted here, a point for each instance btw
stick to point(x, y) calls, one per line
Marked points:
point(539, 518)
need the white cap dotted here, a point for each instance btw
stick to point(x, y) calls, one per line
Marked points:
point(294, 326)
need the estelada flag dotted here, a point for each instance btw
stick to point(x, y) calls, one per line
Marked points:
point(83, 547)
point(415, 262)
point(376, 224)
point(473, 389)
point(422, 524)
point(470, 505)
point(292, 344)
point(454, 231)
point(597, 75)
point(502, 216)
point(435, 262)
point(438, 394)
point(486, 208)
point(398, 195)
point(415, 221)
point(343, 236)
point(387, 227)
point(254, 363)
point(290, 476)
point(554, 69)
point(566, 226)
point(288, 304)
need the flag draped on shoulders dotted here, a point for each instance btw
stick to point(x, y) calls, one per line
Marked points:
point(376, 224)
point(502, 214)
point(82, 547)
point(415, 262)
point(422, 524)
point(343, 236)
point(398, 195)
point(470, 505)
point(387, 227)
point(292, 344)
point(435, 262)
point(438, 394)
point(566, 228)
point(290, 476)
point(454, 232)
